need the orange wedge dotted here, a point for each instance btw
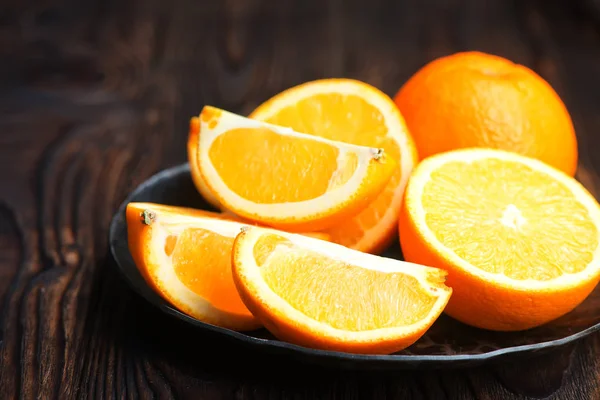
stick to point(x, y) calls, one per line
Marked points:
point(323, 295)
point(353, 112)
point(520, 239)
point(185, 256)
point(285, 179)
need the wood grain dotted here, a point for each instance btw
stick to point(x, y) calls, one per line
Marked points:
point(95, 97)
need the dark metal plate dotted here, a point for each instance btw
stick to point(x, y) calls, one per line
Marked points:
point(448, 343)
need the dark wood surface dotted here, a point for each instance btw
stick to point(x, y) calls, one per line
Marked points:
point(95, 97)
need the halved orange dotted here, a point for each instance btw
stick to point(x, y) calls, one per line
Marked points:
point(185, 256)
point(285, 179)
point(323, 295)
point(520, 239)
point(354, 112)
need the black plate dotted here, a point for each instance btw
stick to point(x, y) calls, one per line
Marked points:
point(447, 343)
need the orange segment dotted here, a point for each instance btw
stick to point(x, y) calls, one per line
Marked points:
point(323, 295)
point(186, 258)
point(353, 112)
point(519, 239)
point(279, 177)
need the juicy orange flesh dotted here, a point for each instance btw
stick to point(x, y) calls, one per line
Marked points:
point(504, 217)
point(202, 262)
point(285, 169)
point(346, 118)
point(342, 295)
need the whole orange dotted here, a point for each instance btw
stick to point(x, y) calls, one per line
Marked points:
point(474, 99)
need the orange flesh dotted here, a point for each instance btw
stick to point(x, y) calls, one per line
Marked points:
point(509, 219)
point(344, 296)
point(302, 169)
point(364, 125)
point(202, 262)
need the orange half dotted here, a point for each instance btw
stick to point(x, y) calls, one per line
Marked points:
point(520, 239)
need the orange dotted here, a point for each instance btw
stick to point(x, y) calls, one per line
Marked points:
point(519, 239)
point(353, 112)
point(474, 99)
point(282, 178)
point(323, 295)
point(185, 256)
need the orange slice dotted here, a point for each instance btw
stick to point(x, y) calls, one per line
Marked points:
point(519, 239)
point(323, 295)
point(285, 179)
point(353, 112)
point(185, 257)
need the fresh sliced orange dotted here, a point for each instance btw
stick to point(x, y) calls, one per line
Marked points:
point(185, 256)
point(519, 239)
point(353, 112)
point(285, 179)
point(323, 295)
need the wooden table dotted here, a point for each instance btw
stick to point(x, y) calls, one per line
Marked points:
point(95, 97)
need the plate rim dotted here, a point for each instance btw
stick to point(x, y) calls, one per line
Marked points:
point(428, 360)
